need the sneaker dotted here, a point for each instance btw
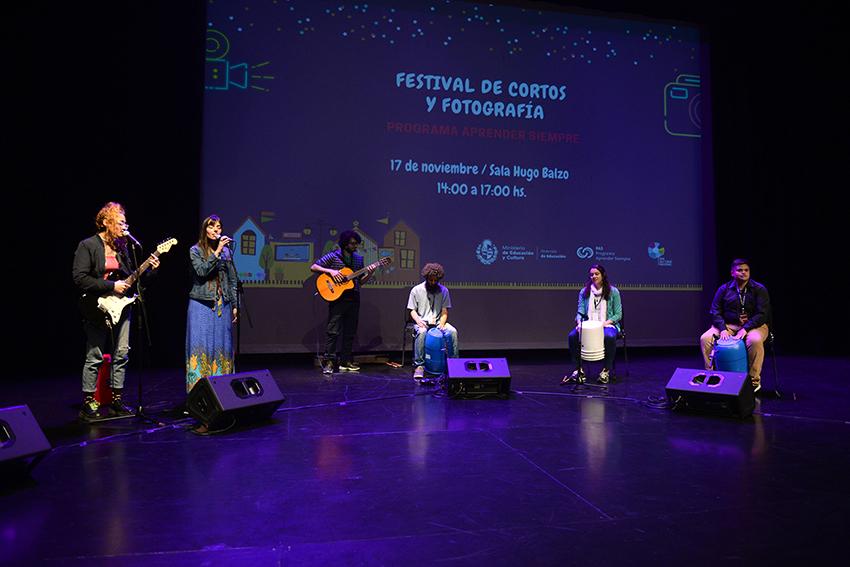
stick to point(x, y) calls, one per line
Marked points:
point(577, 377)
point(328, 367)
point(90, 409)
point(117, 407)
point(349, 367)
point(604, 376)
point(419, 373)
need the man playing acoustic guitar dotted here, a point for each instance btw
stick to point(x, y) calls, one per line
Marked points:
point(343, 313)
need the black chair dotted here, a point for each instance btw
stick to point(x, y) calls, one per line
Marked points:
point(408, 330)
point(770, 343)
point(621, 336)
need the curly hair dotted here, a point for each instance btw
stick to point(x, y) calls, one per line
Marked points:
point(346, 235)
point(108, 212)
point(433, 269)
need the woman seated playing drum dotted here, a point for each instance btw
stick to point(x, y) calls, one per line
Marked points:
point(597, 301)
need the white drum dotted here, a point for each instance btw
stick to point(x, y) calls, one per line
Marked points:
point(592, 341)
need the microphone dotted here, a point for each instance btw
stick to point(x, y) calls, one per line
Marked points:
point(133, 238)
point(229, 243)
point(583, 316)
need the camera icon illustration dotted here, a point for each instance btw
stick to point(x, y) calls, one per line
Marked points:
point(221, 74)
point(683, 107)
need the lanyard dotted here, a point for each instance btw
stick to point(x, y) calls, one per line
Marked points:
point(742, 297)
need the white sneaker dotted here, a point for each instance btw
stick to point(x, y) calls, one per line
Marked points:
point(577, 377)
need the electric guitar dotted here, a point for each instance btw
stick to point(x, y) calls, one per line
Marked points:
point(331, 291)
point(109, 308)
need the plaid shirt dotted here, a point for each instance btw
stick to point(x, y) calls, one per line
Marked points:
point(334, 261)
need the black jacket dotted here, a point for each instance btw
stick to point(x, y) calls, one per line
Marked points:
point(726, 307)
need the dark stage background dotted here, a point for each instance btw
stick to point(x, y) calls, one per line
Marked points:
point(107, 106)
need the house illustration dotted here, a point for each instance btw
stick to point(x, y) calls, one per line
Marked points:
point(402, 243)
point(368, 248)
point(261, 258)
point(290, 260)
point(249, 242)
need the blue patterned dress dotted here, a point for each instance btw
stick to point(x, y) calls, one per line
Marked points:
point(209, 334)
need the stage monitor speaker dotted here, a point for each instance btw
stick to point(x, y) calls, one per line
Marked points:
point(22, 442)
point(478, 378)
point(712, 391)
point(234, 398)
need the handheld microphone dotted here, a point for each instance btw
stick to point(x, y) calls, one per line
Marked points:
point(133, 238)
point(229, 243)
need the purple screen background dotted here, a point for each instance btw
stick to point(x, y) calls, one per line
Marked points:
point(301, 131)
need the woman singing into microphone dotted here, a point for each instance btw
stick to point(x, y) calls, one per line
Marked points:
point(212, 305)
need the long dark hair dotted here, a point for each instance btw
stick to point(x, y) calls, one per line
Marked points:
point(203, 241)
point(606, 287)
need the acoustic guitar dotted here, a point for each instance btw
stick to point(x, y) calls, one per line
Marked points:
point(331, 291)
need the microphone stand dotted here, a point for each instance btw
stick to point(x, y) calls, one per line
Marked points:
point(240, 305)
point(146, 344)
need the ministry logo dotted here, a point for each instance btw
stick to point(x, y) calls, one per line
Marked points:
point(486, 252)
point(584, 252)
point(655, 251)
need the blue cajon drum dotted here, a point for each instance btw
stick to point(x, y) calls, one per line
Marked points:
point(437, 347)
point(730, 355)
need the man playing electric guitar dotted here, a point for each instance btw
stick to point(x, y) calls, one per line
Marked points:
point(96, 259)
point(344, 312)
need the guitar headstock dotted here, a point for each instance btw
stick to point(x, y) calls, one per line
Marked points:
point(166, 245)
point(385, 260)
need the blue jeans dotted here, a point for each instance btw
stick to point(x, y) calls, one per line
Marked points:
point(99, 340)
point(610, 342)
point(419, 344)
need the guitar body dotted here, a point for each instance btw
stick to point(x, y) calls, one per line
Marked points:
point(107, 309)
point(329, 289)
point(113, 306)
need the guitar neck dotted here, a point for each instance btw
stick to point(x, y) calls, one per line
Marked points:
point(362, 271)
point(141, 270)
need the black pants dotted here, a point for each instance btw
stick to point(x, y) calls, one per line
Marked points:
point(342, 317)
point(609, 341)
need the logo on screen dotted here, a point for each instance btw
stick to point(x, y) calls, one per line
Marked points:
point(486, 252)
point(682, 107)
point(584, 252)
point(655, 251)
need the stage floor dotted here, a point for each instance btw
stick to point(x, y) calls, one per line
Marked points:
point(370, 469)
